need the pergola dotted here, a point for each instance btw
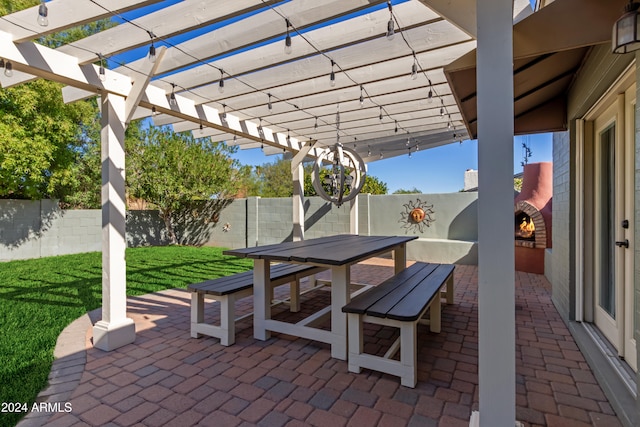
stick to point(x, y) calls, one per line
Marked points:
point(365, 73)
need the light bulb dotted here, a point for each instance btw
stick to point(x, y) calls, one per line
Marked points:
point(172, 100)
point(152, 53)
point(390, 29)
point(8, 69)
point(101, 73)
point(414, 71)
point(430, 96)
point(43, 13)
point(221, 86)
point(332, 79)
point(287, 45)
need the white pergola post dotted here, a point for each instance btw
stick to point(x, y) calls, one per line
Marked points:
point(353, 216)
point(496, 274)
point(298, 201)
point(114, 330)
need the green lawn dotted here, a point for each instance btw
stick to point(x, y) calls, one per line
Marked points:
point(40, 297)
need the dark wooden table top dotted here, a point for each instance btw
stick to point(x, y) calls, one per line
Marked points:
point(331, 250)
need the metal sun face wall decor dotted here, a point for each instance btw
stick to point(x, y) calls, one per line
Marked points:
point(345, 177)
point(416, 216)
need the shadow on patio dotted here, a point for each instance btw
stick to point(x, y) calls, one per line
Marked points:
point(168, 378)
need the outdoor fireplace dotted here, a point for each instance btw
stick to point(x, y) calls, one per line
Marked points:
point(532, 217)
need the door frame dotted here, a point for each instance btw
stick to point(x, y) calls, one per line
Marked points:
point(620, 98)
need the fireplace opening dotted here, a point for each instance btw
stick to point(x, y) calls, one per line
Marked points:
point(524, 227)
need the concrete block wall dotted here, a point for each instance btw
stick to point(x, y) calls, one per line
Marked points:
point(35, 229)
point(450, 238)
point(558, 270)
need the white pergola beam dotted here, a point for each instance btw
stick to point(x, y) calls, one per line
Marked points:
point(64, 14)
point(344, 36)
point(140, 84)
point(264, 26)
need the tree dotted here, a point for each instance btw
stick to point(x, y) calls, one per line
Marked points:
point(373, 185)
point(40, 140)
point(414, 190)
point(275, 180)
point(49, 149)
point(172, 170)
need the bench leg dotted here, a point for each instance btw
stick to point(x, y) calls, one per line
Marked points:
point(408, 353)
point(450, 290)
point(197, 312)
point(354, 322)
point(435, 312)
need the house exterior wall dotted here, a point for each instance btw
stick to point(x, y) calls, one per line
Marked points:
point(559, 271)
point(598, 73)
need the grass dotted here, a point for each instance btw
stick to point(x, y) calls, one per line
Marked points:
point(40, 297)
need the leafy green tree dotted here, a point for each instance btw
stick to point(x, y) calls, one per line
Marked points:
point(373, 185)
point(171, 170)
point(275, 180)
point(49, 149)
point(40, 140)
point(414, 190)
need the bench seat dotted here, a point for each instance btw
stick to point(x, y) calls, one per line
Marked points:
point(401, 302)
point(226, 290)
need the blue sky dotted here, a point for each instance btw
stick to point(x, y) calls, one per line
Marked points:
point(436, 170)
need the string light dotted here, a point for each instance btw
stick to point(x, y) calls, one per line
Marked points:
point(152, 48)
point(396, 129)
point(332, 76)
point(442, 107)
point(221, 82)
point(154, 112)
point(381, 113)
point(315, 125)
point(172, 98)
point(101, 71)
point(224, 112)
point(8, 69)
point(409, 151)
point(269, 105)
point(287, 40)
point(368, 151)
point(43, 13)
point(361, 96)
point(390, 25)
point(414, 67)
point(430, 94)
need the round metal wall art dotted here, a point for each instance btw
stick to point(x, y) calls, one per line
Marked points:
point(345, 177)
point(416, 215)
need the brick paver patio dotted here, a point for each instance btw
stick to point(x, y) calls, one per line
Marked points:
point(168, 378)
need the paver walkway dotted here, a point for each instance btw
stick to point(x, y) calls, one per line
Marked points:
point(168, 378)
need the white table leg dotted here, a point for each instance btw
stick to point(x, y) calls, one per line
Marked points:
point(261, 298)
point(400, 258)
point(340, 279)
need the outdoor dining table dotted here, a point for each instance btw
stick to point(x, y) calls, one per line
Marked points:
point(337, 253)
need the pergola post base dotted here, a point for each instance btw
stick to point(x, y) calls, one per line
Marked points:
point(475, 420)
point(109, 336)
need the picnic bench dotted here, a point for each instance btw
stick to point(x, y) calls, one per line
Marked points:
point(226, 290)
point(401, 302)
